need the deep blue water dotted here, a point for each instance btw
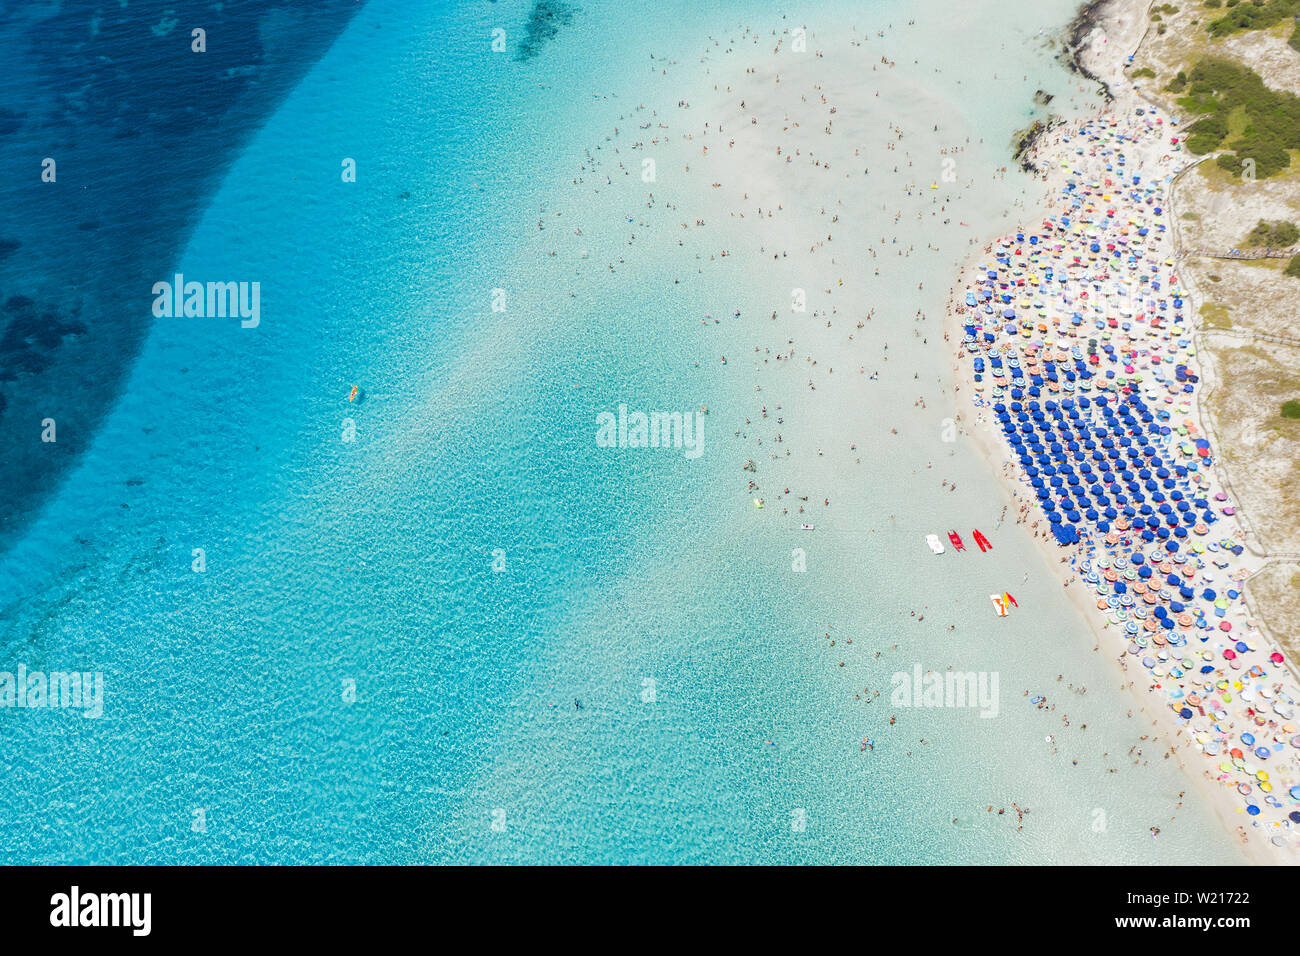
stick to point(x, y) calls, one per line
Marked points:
point(141, 130)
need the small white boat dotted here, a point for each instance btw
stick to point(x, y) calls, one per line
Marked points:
point(998, 604)
point(805, 527)
point(933, 541)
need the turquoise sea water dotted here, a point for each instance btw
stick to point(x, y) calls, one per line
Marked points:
point(352, 679)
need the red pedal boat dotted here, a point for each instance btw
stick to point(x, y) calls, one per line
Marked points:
point(982, 541)
point(956, 541)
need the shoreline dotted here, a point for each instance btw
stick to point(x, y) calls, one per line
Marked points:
point(1121, 23)
point(1092, 16)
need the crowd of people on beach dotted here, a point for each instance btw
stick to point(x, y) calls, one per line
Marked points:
point(1078, 339)
point(1078, 346)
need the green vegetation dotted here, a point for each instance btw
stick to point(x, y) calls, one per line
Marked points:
point(1291, 409)
point(1145, 71)
point(1214, 4)
point(1294, 42)
point(1253, 15)
point(1205, 134)
point(1293, 268)
point(1277, 234)
point(1269, 120)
